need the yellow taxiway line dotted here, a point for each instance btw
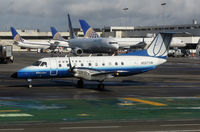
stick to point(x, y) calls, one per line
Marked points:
point(145, 102)
point(9, 110)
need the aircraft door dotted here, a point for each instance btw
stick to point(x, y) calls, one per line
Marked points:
point(53, 67)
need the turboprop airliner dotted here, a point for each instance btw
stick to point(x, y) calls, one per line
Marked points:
point(99, 68)
point(89, 45)
point(19, 41)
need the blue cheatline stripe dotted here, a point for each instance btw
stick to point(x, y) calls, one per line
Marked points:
point(45, 73)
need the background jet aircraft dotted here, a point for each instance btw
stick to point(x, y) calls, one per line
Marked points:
point(100, 68)
point(126, 43)
point(122, 42)
point(19, 41)
point(89, 45)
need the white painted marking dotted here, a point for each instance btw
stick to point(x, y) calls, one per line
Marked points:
point(90, 127)
point(15, 115)
point(167, 125)
point(173, 131)
point(17, 129)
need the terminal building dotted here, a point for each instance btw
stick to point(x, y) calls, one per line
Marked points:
point(191, 33)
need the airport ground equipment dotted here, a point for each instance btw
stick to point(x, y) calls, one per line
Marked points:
point(6, 54)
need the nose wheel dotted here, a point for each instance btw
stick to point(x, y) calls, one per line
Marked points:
point(29, 83)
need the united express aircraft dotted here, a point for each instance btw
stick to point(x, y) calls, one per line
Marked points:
point(99, 68)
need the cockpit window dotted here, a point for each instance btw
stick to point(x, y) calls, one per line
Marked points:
point(113, 43)
point(37, 63)
point(43, 64)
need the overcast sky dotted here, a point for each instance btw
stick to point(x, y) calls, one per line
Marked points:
point(41, 14)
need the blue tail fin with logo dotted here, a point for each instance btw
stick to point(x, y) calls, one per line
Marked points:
point(15, 35)
point(88, 30)
point(56, 35)
point(159, 47)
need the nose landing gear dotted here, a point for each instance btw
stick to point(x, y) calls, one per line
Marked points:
point(29, 83)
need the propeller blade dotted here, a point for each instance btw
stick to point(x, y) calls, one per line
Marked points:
point(70, 65)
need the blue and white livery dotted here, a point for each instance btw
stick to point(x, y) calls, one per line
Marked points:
point(19, 41)
point(89, 45)
point(99, 68)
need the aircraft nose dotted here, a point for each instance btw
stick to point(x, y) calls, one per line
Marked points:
point(14, 75)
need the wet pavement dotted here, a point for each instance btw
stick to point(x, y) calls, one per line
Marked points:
point(175, 84)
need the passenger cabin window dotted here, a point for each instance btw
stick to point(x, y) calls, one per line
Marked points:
point(116, 63)
point(103, 64)
point(82, 64)
point(37, 63)
point(43, 64)
point(122, 63)
point(89, 64)
point(60, 65)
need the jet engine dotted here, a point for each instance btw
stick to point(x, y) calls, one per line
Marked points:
point(78, 51)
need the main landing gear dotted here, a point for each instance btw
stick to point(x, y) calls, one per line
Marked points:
point(29, 83)
point(80, 83)
point(100, 86)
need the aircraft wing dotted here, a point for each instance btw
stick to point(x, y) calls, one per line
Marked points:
point(57, 43)
point(92, 74)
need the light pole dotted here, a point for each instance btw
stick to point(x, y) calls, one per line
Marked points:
point(163, 5)
point(126, 16)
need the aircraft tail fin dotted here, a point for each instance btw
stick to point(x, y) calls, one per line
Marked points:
point(71, 31)
point(88, 30)
point(55, 34)
point(159, 47)
point(15, 35)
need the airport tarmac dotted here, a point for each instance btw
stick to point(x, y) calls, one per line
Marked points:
point(166, 99)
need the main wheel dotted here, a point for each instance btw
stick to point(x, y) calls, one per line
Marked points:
point(30, 86)
point(80, 83)
point(100, 87)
